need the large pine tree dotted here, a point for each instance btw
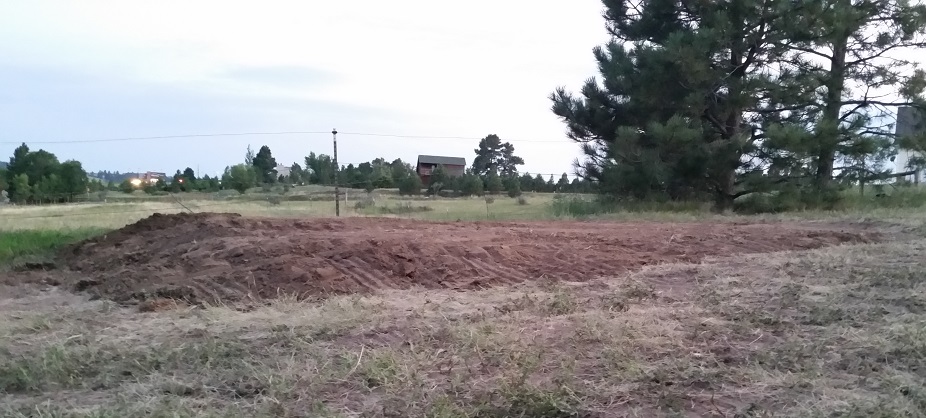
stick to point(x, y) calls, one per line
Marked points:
point(733, 97)
point(675, 113)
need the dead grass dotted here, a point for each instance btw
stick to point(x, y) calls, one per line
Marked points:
point(118, 213)
point(832, 332)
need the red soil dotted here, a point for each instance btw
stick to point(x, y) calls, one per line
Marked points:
point(212, 257)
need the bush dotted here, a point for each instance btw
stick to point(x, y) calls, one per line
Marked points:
point(494, 184)
point(275, 199)
point(366, 202)
point(404, 208)
point(126, 187)
point(522, 200)
point(410, 186)
point(242, 177)
point(580, 206)
point(299, 198)
point(577, 206)
point(789, 199)
point(471, 185)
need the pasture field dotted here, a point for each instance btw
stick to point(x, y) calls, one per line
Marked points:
point(395, 310)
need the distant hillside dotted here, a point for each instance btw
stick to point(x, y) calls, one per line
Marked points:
point(3, 164)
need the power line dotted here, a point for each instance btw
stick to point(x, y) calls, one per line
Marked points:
point(144, 138)
point(213, 135)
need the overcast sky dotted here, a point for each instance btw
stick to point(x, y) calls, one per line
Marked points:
point(90, 69)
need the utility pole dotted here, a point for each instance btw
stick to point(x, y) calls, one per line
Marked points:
point(337, 189)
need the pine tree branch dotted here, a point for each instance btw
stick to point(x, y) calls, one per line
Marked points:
point(784, 108)
point(806, 50)
point(879, 54)
point(777, 181)
point(866, 103)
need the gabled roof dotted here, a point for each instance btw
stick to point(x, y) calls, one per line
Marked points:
point(434, 159)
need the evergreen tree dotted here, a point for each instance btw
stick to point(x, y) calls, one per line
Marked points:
point(401, 170)
point(495, 156)
point(527, 182)
point(674, 115)
point(72, 180)
point(296, 174)
point(439, 180)
point(538, 184)
point(563, 184)
point(265, 165)
point(493, 183)
point(189, 176)
point(322, 167)
point(513, 186)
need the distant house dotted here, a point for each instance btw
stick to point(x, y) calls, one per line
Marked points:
point(454, 166)
point(150, 176)
point(909, 122)
point(283, 170)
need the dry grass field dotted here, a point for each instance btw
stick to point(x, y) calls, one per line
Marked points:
point(818, 330)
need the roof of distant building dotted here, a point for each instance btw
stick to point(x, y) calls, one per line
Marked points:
point(434, 159)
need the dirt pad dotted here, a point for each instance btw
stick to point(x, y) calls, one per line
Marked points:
point(227, 257)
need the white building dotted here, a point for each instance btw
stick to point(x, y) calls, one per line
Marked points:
point(283, 170)
point(909, 122)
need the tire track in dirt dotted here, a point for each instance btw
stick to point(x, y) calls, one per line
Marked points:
point(222, 257)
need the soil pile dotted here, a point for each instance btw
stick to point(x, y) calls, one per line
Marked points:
point(227, 257)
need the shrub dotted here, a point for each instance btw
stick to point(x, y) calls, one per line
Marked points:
point(410, 186)
point(126, 187)
point(366, 202)
point(522, 200)
point(471, 185)
point(404, 208)
point(577, 206)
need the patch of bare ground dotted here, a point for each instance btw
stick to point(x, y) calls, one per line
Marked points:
point(838, 331)
point(211, 258)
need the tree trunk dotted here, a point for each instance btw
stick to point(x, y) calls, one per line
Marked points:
point(724, 194)
point(828, 131)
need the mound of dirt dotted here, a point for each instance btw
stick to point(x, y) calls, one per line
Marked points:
point(227, 257)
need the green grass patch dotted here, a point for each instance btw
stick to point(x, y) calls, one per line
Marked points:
point(585, 206)
point(35, 244)
point(885, 196)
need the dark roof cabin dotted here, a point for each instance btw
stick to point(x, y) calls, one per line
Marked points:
point(455, 166)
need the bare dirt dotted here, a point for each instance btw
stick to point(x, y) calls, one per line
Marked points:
point(227, 257)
